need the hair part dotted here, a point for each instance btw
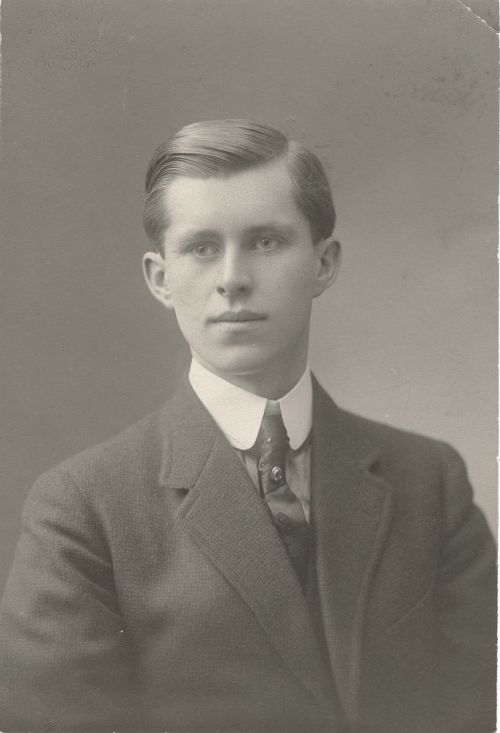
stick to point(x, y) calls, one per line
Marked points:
point(218, 148)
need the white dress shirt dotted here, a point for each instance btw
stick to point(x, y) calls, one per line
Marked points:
point(239, 413)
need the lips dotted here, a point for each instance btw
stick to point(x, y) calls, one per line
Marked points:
point(238, 317)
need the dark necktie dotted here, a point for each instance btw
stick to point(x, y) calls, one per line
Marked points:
point(286, 510)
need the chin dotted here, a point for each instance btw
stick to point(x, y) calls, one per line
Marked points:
point(239, 367)
point(238, 364)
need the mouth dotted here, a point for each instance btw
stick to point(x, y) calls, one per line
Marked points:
point(238, 317)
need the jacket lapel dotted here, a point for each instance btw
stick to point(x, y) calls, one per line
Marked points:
point(351, 511)
point(224, 516)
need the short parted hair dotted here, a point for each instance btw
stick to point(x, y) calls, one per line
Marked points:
point(219, 148)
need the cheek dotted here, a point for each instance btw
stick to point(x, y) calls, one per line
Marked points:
point(296, 286)
point(186, 286)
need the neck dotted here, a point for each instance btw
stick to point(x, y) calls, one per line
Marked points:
point(271, 384)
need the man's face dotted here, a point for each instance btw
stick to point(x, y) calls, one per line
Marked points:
point(241, 271)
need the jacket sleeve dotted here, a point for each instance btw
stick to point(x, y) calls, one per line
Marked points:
point(65, 659)
point(466, 606)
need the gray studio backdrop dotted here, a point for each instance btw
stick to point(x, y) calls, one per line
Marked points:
point(397, 97)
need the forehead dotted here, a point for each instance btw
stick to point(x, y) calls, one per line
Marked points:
point(242, 199)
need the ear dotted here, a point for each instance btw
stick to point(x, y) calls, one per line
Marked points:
point(155, 274)
point(328, 256)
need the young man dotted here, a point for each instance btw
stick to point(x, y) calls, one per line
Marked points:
point(251, 557)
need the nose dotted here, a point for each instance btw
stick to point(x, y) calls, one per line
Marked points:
point(233, 276)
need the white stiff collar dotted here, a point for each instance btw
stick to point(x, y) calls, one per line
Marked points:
point(239, 413)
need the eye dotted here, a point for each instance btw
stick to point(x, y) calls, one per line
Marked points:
point(204, 250)
point(267, 243)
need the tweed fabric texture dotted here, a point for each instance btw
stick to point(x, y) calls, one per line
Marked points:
point(150, 590)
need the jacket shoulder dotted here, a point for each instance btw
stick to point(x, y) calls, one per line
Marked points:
point(359, 436)
point(425, 471)
point(393, 439)
point(123, 457)
point(414, 464)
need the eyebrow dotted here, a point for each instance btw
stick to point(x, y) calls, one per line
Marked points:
point(191, 234)
point(275, 226)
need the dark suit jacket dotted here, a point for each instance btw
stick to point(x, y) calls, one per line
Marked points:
point(150, 590)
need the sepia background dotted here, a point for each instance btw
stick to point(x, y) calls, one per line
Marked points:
point(398, 97)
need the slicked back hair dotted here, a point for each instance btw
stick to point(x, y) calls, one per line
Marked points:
point(220, 148)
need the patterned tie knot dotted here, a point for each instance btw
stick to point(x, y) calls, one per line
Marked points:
point(272, 444)
point(272, 430)
point(285, 508)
